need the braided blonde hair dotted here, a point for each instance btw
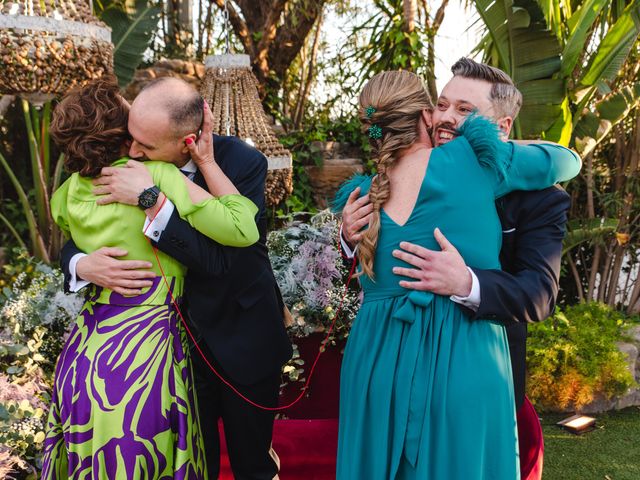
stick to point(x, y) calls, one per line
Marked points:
point(399, 98)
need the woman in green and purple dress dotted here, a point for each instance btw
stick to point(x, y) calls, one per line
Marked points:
point(123, 403)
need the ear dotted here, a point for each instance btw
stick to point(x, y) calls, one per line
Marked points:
point(505, 124)
point(427, 117)
point(183, 142)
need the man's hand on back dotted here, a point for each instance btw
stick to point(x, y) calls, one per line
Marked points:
point(126, 277)
point(443, 272)
point(355, 216)
point(122, 184)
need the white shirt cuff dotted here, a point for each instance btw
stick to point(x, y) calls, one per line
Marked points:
point(473, 300)
point(345, 246)
point(76, 284)
point(154, 229)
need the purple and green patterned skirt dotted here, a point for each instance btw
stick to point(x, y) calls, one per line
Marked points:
point(123, 403)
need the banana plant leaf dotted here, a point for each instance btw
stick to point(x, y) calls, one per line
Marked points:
point(131, 35)
point(583, 231)
point(530, 52)
point(614, 48)
point(609, 111)
point(580, 26)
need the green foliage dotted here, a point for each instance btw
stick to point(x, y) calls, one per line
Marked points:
point(381, 43)
point(133, 27)
point(300, 143)
point(572, 358)
point(18, 261)
point(34, 317)
point(12, 216)
point(22, 431)
point(575, 64)
point(44, 236)
point(593, 231)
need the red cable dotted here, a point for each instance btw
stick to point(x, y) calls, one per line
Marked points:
point(212, 368)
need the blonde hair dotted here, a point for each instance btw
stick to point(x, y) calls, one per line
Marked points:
point(399, 98)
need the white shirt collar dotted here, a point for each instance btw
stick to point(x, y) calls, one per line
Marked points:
point(190, 167)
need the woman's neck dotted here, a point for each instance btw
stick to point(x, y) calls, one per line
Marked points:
point(412, 153)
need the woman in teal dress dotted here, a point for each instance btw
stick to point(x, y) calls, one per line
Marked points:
point(426, 393)
point(123, 402)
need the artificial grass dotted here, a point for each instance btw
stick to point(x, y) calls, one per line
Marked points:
point(610, 452)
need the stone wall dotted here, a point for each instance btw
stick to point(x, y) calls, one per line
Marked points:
point(339, 162)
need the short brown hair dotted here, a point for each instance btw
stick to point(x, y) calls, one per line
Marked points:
point(90, 126)
point(505, 96)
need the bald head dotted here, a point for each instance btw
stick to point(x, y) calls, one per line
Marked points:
point(172, 100)
point(164, 115)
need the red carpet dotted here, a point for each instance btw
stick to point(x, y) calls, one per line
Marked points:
point(307, 449)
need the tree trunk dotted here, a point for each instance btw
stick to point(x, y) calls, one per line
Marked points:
point(272, 33)
point(311, 70)
point(409, 8)
point(576, 277)
point(595, 265)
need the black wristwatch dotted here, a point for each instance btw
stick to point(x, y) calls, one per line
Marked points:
point(148, 197)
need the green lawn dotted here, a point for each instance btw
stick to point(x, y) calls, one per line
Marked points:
point(611, 452)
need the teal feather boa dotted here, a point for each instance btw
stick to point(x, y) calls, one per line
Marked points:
point(484, 137)
point(341, 197)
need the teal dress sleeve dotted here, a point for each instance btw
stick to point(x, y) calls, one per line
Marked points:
point(341, 197)
point(537, 166)
point(229, 220)
point(512, 166)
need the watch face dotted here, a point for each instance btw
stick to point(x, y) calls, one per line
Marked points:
point(148, 198)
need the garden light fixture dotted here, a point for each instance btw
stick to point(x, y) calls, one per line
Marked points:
point(578, 424)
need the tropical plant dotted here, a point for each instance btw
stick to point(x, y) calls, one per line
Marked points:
point(133, 24)
point(603, 241)
point(46, 170)
point(397, 35)
point(565, 58)
point(573, 359)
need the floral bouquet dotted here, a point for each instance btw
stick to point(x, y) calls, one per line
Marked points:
point(35, 318)
point(312, 275)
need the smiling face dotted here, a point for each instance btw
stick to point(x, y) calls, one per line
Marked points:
point(458, 99)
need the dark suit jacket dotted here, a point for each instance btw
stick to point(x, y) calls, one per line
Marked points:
point(525, 290)
point(231, 295)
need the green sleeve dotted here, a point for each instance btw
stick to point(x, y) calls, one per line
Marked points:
point(59, 211)
point(537, 166)
point(229, 220)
